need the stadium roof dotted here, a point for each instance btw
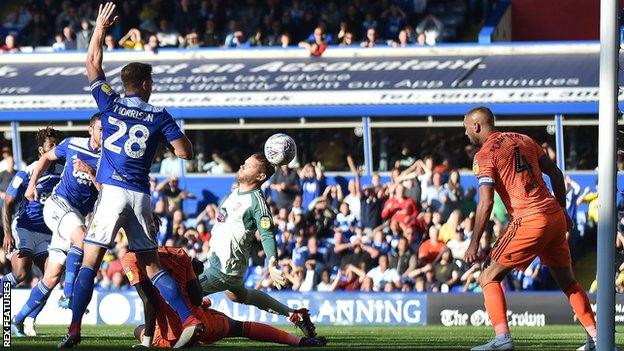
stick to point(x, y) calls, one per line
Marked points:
point(525, 78)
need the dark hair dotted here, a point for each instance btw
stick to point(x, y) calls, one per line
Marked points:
point(96, 117)
point(135, 73)
point(267, 168)
point(47, 132)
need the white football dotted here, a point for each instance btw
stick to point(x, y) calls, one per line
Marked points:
point(280, 149)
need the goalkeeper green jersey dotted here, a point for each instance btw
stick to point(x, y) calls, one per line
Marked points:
point(240, 215)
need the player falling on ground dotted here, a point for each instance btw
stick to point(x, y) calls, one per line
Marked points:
point(242, 213)
point(63, 212)
point(512, 164)
point(162, 327)
point(131, 131)
point(26, 236)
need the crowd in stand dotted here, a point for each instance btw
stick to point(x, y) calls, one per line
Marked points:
point(152, 24)
point(409, 234)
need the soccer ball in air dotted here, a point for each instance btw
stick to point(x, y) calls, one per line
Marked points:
point(280, 149)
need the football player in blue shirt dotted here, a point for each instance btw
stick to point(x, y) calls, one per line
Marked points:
point(131, 132)
point(64, 212)
point(26, 236)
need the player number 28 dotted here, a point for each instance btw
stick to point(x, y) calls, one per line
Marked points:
point(133, 138)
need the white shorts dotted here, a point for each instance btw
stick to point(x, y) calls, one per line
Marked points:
point(118, 208)
point(29, 241)
point(62, 218)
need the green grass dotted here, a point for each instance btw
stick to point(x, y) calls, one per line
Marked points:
point(341, 337)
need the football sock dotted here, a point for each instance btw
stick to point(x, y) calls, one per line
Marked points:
point(170, 292)
point(580, 304)
point(83, 290)
point(496, 307)
point(10, 278)
point(38, 296)
point(73, 263)
point(263, 332)
point(265, 302)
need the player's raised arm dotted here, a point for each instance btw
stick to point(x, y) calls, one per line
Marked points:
point(44, 162)
point(183, 148)
point(105, 19)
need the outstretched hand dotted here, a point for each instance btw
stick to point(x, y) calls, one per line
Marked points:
point(105, 17)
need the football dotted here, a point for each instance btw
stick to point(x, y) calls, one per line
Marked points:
point(280, 149)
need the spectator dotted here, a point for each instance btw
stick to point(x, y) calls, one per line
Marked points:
point(109, 43)
point(320, 220)
point(68, 38)
point(170, 165)
point(311, 178)
point(384, 278)
point(347, 279)
point(173, 194)
point(59, 44)
point(84, 36)
point(286, 183)
point(238, 41)
point(358, 257)
point(402, 40)
point(347, 40)
point(371, 38)
point(431, 248)
point(468, 203)
point(446, 272)
point(218, 165)
point(436, 195)
point(285, 40)
point(317, 45)
point(448, 229)
point(168, 37)
point(10, 46)
point(458, 245)
point(394, 18)
point(211, 38)
point(431, 28)
point(152, 44)
point(591, 198)
point(192, 40)
point(325, 284)
point(402, 257)
point(345, 220)
point(334, 196)
point(379, 244)
point(132, 40)
point(342, 32)
point(400, 208)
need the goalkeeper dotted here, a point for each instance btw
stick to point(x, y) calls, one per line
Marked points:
point(241, 214)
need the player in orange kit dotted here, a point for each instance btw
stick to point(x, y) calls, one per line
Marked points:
point(163, 327)
point(512, 164)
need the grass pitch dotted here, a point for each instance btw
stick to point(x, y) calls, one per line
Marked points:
point(380, 337)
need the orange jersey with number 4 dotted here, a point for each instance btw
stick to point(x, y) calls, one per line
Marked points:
point(510, 163)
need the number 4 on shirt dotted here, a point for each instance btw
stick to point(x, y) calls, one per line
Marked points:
point(522, 164)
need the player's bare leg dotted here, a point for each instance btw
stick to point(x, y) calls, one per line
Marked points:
point(171, 293)
point(83, 291)
point(300, 318)
point(496, 307)
point(564, 276)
